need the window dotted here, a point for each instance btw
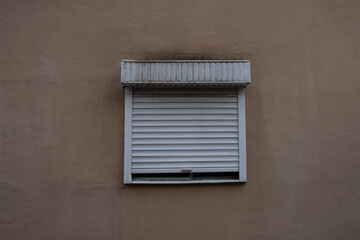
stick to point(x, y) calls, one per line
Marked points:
point(184, 130)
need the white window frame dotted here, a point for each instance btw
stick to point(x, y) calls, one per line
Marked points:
point(128, 138)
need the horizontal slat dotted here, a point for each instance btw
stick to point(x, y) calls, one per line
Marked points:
point(146, 181)
point(189, 95)
point(157, 129)
point(179, 99)
point(167, 111)
point(216, 159)
point(177, 170)
point(186, 135)
point(185, 140)
point(190, 117)
point(194, 153)
point(184, 105)
point(185, 164)
point(183, 158)
point(183, 91)
point(144, 123)
point(157, 147)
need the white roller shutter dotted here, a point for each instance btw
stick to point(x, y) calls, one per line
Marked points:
point(175, 130)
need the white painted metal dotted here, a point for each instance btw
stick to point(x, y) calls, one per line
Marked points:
point(242, 134)
point(128, 134)
point(194, 169)
point(186, 182)
point(207, 141)
point(186, 141)
point(185, 72)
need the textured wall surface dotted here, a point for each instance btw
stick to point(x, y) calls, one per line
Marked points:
point(61, 119)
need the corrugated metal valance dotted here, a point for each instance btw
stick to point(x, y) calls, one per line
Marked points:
point(185, 72)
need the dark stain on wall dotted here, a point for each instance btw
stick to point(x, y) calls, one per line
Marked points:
point(183, 55)
point(23, 203)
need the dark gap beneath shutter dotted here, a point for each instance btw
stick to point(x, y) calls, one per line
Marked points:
point(185, 176)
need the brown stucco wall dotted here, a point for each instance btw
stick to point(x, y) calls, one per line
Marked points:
point(61, 125)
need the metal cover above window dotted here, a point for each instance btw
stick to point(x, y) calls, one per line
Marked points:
point(185, 72)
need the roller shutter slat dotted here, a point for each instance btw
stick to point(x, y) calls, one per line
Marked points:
point(167, 111)
point(183, 158)
point(179, 170)
point(157, 147)
point(195, 153)
point(192, 164)
point(194, 117)
point(185, 135)
point(188, 105)
point(183, 92)
point(185, 140)
point(170, 129)
point(191, 99)
point(166, 123)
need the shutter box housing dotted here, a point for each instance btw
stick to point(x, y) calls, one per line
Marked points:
point(185, 121)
